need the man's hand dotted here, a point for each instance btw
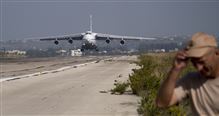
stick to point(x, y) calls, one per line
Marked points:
point(180, 61)
point(166, 95)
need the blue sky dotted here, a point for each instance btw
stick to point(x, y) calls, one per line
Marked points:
point(37, 18)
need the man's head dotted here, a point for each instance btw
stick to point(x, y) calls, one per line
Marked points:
point(200, 44)
point(203, 52)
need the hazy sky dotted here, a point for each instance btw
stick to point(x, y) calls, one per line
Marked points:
point(38, 18)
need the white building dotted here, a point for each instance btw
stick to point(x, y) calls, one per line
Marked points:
point(17, 52)
point(62, 52)
point(76, 52)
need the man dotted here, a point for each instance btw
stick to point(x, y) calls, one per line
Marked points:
point(202, 87)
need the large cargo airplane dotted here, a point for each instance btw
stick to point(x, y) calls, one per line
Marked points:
point(89, 38)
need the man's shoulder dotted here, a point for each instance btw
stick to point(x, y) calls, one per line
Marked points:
point(193, 75)
point(190, 78)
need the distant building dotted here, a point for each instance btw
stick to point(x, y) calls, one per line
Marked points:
point(76, 52)
point(62, 52)
point(12, 53)
point(159, 50)
point(174, 50)
point(16, 52)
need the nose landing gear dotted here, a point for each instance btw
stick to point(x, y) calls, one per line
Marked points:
point(89, 47)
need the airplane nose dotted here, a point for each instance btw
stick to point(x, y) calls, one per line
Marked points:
point(86, 40)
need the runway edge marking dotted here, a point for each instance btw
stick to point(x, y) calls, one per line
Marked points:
point(44, 72)
point(51, 71)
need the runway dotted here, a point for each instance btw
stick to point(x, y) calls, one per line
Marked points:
point(77, 91)
point(22, 66)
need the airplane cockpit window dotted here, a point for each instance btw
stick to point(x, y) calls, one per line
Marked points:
point(88, 32)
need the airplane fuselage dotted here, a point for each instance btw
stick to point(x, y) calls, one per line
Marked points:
point(89, 41)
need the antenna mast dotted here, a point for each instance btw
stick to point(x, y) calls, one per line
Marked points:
point(91, 25)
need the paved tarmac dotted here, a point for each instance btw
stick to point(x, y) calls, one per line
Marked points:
point(77, 91)
point(21, 66)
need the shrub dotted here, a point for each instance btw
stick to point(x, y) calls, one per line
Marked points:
point(146, 81)
point(119, 87)
point(139, 82)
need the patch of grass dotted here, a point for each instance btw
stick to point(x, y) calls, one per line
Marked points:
point(120, 88)
point(146, 81)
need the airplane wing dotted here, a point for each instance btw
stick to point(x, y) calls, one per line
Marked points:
point(78, 36)
point(100, 36)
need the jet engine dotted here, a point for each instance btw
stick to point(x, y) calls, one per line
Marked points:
point(56, 42)
point(122, 42)
point(70, 41)
point(108, 41)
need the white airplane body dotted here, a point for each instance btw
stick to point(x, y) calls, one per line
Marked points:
point(89, 38)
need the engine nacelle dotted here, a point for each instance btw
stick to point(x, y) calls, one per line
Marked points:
point(108, 41)
point(70, 41)
point(56, 42)
point(122, 42)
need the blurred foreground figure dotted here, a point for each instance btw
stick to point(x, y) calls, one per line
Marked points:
point(202, 86)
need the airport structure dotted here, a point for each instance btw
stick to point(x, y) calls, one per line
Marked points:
point(76, 52)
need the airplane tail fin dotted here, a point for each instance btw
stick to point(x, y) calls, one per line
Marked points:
point(91, 25)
